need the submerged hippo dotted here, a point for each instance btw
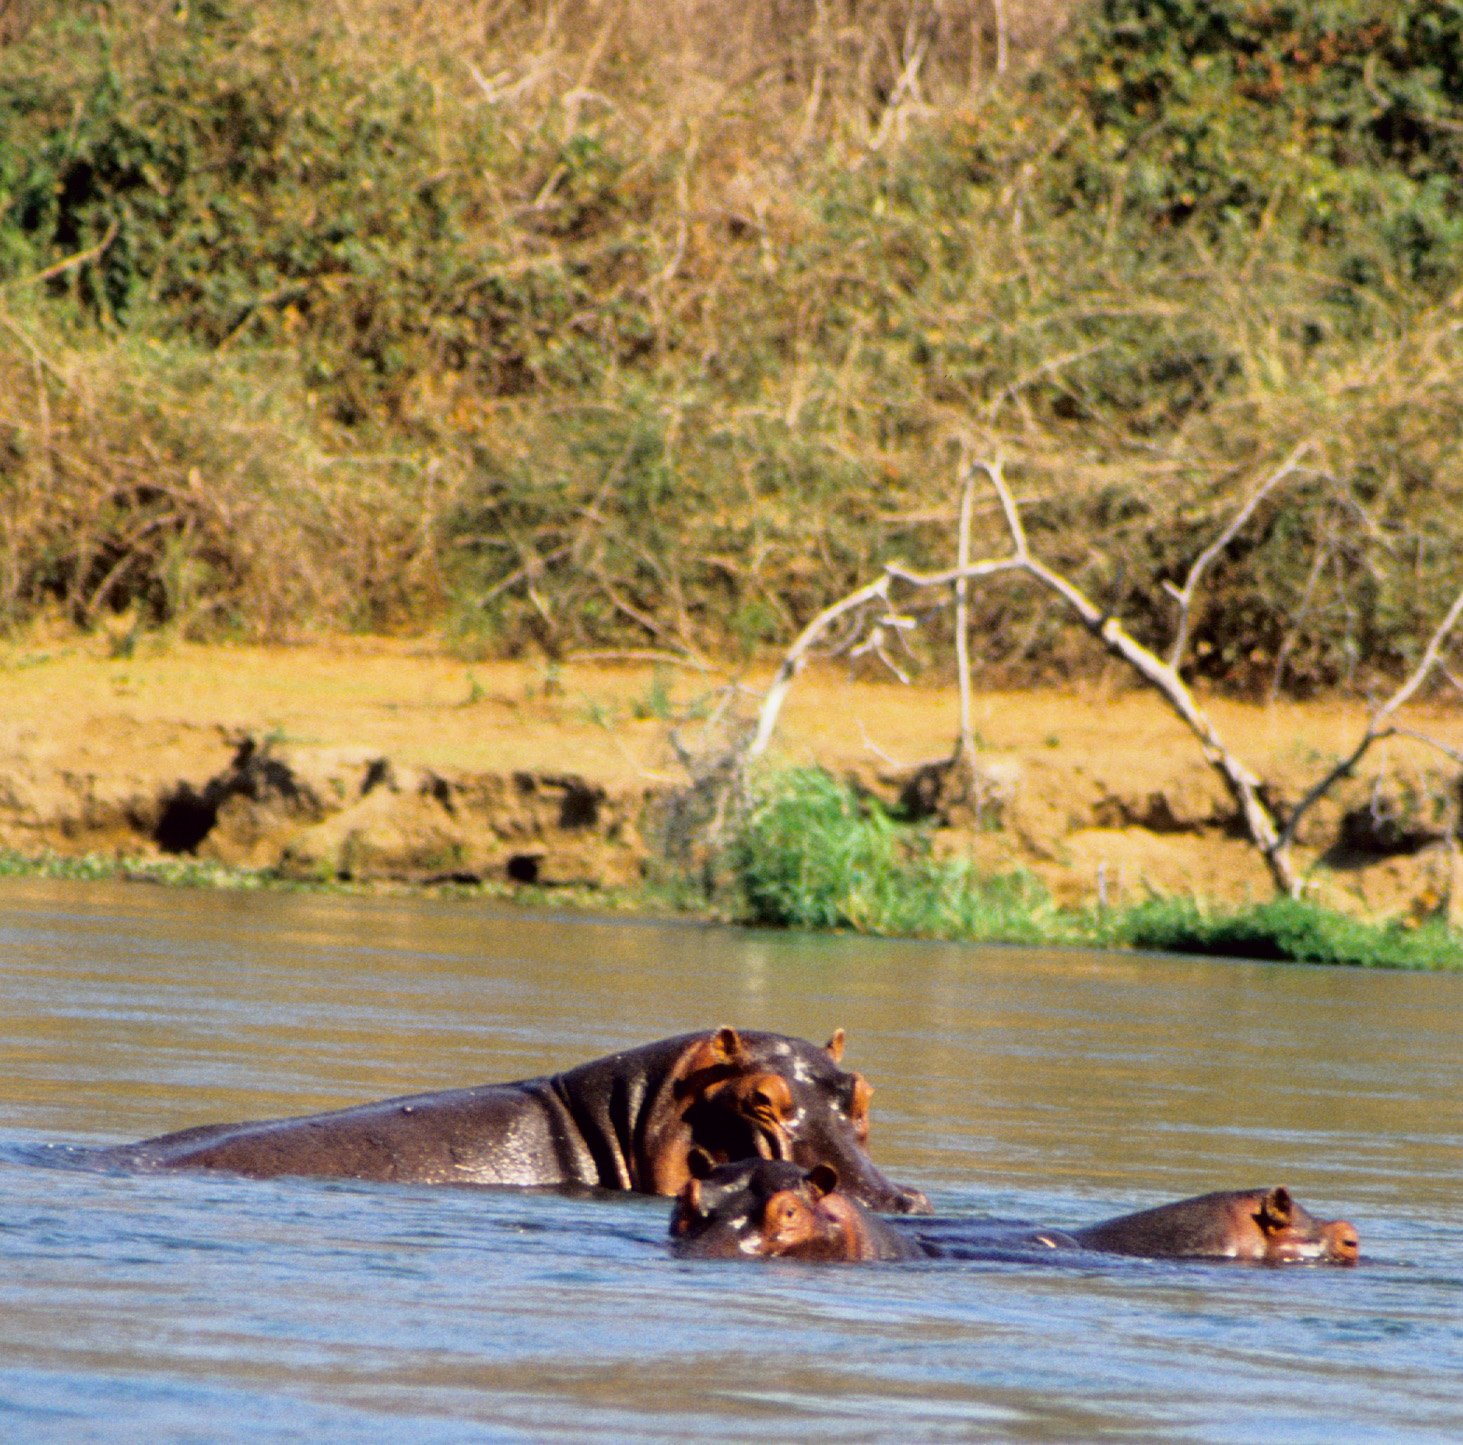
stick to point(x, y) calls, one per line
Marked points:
point(757, 1209)
point(774, 1209)
point(624, 1122)
point(1257, 1224)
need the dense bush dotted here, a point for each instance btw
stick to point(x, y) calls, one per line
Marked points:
point(808, 852)
point(662, 324)
point(1338, 117)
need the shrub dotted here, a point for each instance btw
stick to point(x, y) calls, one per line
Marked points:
point(1334, 116)
point(810, 853)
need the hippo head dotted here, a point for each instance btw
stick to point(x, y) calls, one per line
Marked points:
point(1289, 1232)
point(746, 1095)
point(757, 1208)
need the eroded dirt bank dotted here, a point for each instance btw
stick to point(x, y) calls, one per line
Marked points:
point(373, 759)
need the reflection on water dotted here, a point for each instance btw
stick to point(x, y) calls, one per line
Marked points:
point(1051, 1086)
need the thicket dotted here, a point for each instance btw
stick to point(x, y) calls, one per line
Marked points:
point(605, 323)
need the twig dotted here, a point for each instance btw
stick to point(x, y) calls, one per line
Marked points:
point(874, 642)
point(965, 742)
point(79, 259)
point(1184, 595)
point(908, 81)
point(1376, 727)
point(643, 619)
point(797, 655)
point(1428, 741)
point(529, 570)
point(1003, 43)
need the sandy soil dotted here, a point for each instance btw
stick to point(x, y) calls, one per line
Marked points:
point(1094, 789)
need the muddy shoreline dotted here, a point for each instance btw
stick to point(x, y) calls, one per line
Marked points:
point(367, 759)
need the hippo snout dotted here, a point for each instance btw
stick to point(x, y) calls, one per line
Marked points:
point(911, 1201)
point(1342, 1243)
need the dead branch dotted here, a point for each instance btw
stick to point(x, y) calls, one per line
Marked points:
point(876, 642)
point(965, 741)
point(1273, 841)
point(1184, 595)
point(530, 571)
point(69, 263)
point(1428, 741)
point(1378, 727)
point(797, 655)
point(1243, 785)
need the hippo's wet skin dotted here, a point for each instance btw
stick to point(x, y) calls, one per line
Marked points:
point(757, 1209)
point(624, 1122)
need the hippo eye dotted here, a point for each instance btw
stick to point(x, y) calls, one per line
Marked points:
point(767, 1096)
point(783, 1212)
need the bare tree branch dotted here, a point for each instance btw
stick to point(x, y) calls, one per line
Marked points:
point(797, 655)
point(965, 741)
point(1377, 726)
point(1273, 842)
point(1009, 510)
point(1429, 658)
point(1184, 595)
point(1243, 785)
point(80, 258)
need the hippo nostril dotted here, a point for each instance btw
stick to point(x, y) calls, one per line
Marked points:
point(913, 1201)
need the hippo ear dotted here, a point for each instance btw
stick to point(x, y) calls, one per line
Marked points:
point(835, 1046)
point(1276, 1210)
point(716, 1051)
point(823, 1178)
point(700, 1163)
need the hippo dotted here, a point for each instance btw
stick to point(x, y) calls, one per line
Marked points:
point(1265, 1225)
point(755, 1208)
point(775, 1209)
point(626, 1122)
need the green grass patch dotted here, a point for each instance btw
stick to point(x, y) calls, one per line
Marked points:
point(104, 868)
point(1288, 930)
point(811, 853)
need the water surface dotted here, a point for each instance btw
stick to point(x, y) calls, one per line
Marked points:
point(1058, 1087)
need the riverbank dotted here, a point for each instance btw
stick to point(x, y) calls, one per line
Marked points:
point(374, 760)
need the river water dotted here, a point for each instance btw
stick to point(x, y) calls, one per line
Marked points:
point(1059, 1087)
